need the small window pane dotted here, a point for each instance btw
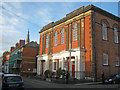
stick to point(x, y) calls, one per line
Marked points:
point(115, 35)
point(56, 38)
point(104, 31)
point(117, 62)
point(47, 41)
point(75, 32)
point(63, 36)
point(105, 59)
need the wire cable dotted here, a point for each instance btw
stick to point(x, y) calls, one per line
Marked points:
point(20, 17)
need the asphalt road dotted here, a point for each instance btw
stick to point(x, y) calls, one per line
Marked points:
point(34, 83)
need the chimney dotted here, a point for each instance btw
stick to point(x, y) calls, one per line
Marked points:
point(16, 45)
point(12, 49)
point(21, 43)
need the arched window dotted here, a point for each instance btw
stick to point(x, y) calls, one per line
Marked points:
point(63, 36)
point(104, 31)
point(115, 35)
point(56, 38)
point(75, 32)
point(47, 41)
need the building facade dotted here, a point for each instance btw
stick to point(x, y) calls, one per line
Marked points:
point(85, 43)
point(29, 59)
point(23, 57)
point(5, 62)
point(16, 57)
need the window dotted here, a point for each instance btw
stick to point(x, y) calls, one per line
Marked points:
point(56, 38)
point(47, 41)
point(63, 36)
point(115, 35)
point(55, 65)
point(117, 61)
point(13, 79)
point(104, 31)
point(105, 59)
point(75, 32)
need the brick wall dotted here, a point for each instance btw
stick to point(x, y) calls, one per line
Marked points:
point(103, 46)
point(88, 44)
point(29, 58)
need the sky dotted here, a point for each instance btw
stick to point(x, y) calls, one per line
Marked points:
point(16, 17)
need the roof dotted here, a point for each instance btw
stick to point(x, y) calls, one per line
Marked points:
point(31, 44)
point(78, 12)
point(15, 51)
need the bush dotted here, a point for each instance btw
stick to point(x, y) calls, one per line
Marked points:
point(60, 72)
point(48, 73)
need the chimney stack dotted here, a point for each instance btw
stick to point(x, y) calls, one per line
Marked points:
point(12, 49)
point(16, 45)
point(21, 43)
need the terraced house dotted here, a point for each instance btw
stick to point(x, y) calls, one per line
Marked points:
point(85, 42)
point(23, 57)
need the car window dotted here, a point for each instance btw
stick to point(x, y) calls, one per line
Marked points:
point(118, 76)
point(13, 79)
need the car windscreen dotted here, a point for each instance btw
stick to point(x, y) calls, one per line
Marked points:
point(13, 79)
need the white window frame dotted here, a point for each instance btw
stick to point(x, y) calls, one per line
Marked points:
point(56, 39)
point(117, 61)
point(47, 41)
point(75, 32)
point(63, 36)
point(115, 35)
point(104, 31)
point(105, 59)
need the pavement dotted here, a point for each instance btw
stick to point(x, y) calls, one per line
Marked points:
point(79, 82)
point(90, 83)
point(37, 83)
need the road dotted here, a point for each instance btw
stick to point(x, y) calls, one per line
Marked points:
point(34, 83)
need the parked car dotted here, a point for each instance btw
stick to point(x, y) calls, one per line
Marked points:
point(1, 73)
point(114, 79)
point(12, 81)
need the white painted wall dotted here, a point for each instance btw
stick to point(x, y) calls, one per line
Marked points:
point(62, 56)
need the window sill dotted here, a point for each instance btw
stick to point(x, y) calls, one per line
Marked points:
point(117, 65)
point(105, 40)
point(106, 65)
point(116, 43)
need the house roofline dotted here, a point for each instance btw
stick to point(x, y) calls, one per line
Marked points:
point(78, 12)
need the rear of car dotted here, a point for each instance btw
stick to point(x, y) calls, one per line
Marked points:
point(114, 79)
point(12, 81)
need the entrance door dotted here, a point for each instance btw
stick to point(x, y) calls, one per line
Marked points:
point(72, 65)
point(73, 70)
point(42, 64)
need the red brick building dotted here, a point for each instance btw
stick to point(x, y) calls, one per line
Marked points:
point(29, 59)
point(23, 57)
point(92, 33)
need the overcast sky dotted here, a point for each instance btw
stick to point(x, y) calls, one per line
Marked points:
point(17, 17)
